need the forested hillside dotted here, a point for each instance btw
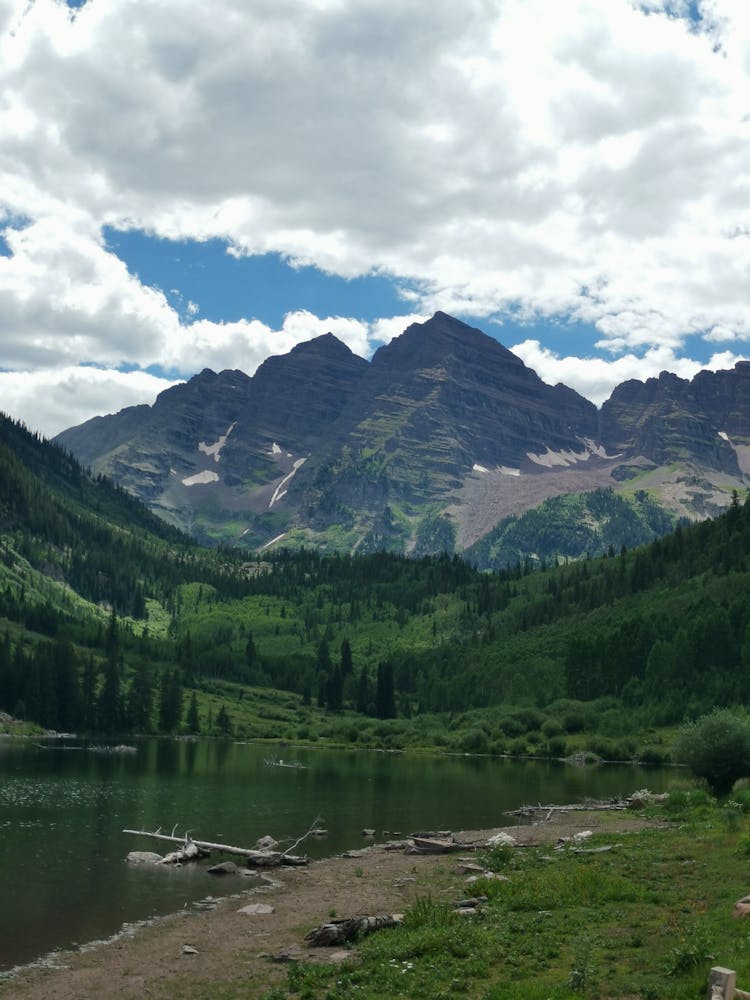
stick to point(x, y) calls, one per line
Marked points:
point(112, 622)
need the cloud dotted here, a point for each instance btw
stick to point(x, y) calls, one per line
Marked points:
point(595, 378)
point(586, 160)
point(49, 400)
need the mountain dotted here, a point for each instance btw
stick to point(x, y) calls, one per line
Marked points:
point(102, 605)
point(440, 438)
point(209, 455)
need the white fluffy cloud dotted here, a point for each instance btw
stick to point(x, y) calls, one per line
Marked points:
point(585, 159)
point(595, 378)
point(50, 399)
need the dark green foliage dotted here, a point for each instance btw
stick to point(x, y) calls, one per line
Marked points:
point(716, 747)
point(223, 722)
point(193, 720)
point(170, 701)
point(110, 714)
point(141, 698)
point(385, 699)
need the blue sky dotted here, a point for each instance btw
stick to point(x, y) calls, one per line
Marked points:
point(222, 287)
point(226, 288)
point(189, 185)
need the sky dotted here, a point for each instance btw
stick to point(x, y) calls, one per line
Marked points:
point(187, 185)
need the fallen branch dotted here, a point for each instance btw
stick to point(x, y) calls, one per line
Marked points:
point(340, 931)
point(189, 852)
point(260, 858)
point(549, 810)
point(311, 832)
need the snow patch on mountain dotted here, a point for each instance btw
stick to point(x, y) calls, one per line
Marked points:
point(504, 470)
point(564, 459)
point(272, 542)
point(215, 448)
point(279, 492)
point(201, 478)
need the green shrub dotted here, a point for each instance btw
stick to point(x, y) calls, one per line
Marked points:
point(716, 748)
point(557, 747)
point(742, 796)
point(511, 726)
point(552, 728)
point(473, 741)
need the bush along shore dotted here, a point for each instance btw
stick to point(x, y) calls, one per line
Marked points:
point(638, 903)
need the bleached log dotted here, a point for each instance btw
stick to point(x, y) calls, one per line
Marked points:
point(549, 810)
point(253, 857)
point(188, 852)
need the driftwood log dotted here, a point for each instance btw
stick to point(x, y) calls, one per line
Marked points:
point(190, 851)
point(549, 810)
point(340, 931)
point(261, 859)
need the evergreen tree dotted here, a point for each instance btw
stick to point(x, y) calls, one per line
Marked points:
point(335, 690)
point(346, 659)
point(193, 720)
point(68, 687)
point(141, 698)
point(170, 701)
point(385, 698)
point(109, 706)
point(223, 722)
point(88, 695)
point(32, 692)
point(364, 693)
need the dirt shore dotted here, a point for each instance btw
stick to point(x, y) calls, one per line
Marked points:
point(245, 952)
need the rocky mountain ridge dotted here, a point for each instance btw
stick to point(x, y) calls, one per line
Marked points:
point(441, 436)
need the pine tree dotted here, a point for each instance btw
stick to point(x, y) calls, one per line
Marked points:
point(88, 695)
point(170, 701)
point(141, 698)
point(224, 722)
point(346, 659)
point(109, 706)
point(193, 720)
point(385, 699)
point(364, 693)
point(335, 690)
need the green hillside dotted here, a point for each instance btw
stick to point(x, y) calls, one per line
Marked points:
point(112, 622)
point(573, 526)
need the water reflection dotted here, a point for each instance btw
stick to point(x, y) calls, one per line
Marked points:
point(62, 814)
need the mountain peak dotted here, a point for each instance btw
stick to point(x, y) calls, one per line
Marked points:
point(325, 345)
point(439, 338)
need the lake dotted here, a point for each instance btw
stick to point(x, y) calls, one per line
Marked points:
point(62, 812)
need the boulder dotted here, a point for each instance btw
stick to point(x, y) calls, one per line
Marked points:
point(223, 868)
point(256, 910)
point(266, 843)
point(143, 858)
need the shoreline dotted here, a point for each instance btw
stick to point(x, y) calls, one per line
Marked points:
point(229, 945)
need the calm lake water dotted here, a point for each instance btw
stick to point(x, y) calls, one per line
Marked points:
point(62, 813)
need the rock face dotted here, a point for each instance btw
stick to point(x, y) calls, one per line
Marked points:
point(670, 419)
point(214, 449)
point(428, 447)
